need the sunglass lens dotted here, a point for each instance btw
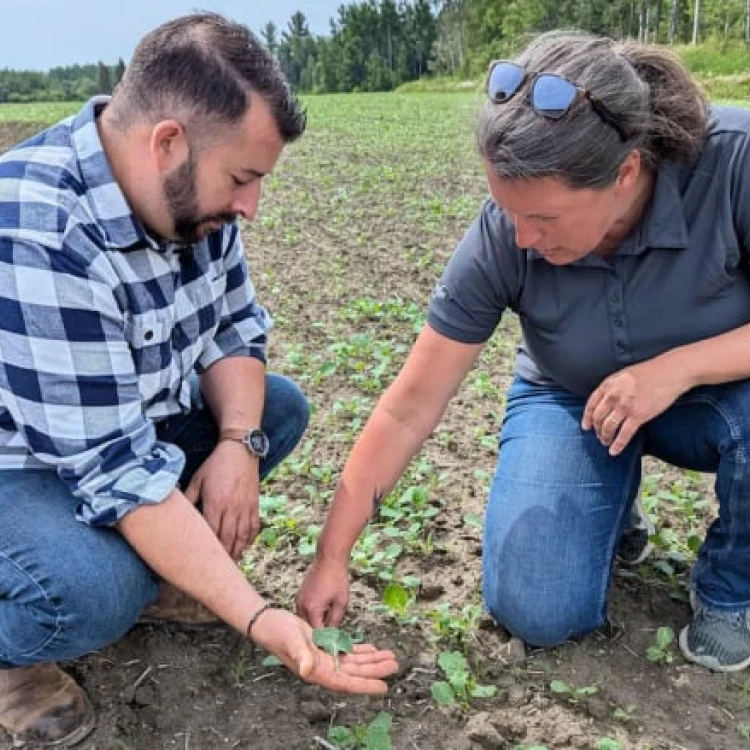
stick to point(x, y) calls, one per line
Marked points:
point(505, 78)
point(552, 96)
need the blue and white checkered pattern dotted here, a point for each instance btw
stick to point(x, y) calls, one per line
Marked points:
point(101, 326)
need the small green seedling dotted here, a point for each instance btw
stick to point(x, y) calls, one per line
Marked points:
point(454, 628)
point(460, 685)
point(573, 693)
point(373, 736)
point(660, 651)
point(398, 602)
point(624, 714)
point(332, 640)
point(606, 743)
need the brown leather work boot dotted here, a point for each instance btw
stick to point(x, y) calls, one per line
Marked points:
point(175, 606)
point(43, 706)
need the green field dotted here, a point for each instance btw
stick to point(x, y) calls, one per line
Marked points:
point(353, 230)
point(42, 112)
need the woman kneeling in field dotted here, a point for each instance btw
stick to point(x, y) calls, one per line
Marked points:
point(618, 230)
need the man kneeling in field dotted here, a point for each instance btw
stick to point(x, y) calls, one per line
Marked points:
point(136, 415)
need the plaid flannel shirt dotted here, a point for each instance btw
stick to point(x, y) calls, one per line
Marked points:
point(101, 326)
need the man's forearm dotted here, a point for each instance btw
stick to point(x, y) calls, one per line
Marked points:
point(177, 543)
point(234, 389)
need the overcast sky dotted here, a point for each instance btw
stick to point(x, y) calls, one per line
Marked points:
point(40, 34)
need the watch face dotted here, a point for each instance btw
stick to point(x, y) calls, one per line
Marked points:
point(258, 442)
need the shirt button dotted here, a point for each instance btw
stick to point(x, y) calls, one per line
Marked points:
point(148, 335)
point(620, 346)
point(617, 322)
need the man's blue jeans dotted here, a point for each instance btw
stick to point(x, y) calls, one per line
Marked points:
point(559, 503)
point(67, 588)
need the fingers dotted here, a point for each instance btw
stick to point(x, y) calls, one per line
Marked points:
point(375, 663)
point(364, 647)
point(624, 436)
point(242, 537)
point(361, 673)
point(314, 615)
point(193, 490)
point(587, 421)
point(317, 618)
point(253, 528)
point(607, 427)
point(337, 612)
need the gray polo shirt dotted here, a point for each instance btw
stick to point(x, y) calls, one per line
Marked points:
point(682, 275)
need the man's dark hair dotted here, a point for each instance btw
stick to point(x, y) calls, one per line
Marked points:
point(204, 69)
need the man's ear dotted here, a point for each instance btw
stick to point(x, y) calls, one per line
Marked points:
point(169, 145)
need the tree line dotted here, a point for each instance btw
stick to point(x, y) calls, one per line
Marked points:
point(376, 45)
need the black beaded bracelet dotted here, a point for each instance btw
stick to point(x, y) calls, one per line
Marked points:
point(255, 617)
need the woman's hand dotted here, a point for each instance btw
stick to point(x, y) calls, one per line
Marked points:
point(628, 399)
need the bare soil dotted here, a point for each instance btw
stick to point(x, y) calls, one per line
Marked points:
point(206, 688)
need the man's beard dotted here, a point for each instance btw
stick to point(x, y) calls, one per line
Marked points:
point(181, 194)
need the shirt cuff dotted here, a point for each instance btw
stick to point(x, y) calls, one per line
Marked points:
point(149, 482)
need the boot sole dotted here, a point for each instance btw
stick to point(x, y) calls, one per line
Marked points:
point(77, 735)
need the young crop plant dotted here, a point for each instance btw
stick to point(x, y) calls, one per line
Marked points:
point(373, 736)
point(459, 686)
point(454, 628)
point(660, 651)
point(574, 694)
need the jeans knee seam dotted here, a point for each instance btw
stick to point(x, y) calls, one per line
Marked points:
point(614, 539)
point(47, 598)
point(735, 430)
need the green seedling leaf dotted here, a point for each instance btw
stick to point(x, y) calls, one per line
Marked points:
point(396, 597)
point(453, 662)
point(333, 641)
point(606, 743)
point(378, 736)
point(664, 637)
point(342, 736)
point(587, 690)
point(442, 693)
point(456, 669)
point(472, 519)
point(624, 714)
point(483, 691)
point(411, 582)
point(272, 661)
point(558, 686)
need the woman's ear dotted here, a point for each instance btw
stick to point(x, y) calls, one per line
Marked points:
point(630, 170)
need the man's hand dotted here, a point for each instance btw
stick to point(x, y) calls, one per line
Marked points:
point(290, 639)
point(628, 399)
point(228, 485)
point(324, 595)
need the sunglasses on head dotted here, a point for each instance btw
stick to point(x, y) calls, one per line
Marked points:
point(550, 95)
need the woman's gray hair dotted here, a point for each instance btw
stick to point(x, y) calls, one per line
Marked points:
point(658, 105)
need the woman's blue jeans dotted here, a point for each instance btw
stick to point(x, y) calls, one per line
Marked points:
point(67, 588)
point(559, 503)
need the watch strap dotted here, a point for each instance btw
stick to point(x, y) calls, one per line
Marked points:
point(239, 435)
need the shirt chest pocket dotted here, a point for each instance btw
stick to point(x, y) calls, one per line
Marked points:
point(149, 335)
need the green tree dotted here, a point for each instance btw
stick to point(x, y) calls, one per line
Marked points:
point(104, 80)
point(270, 35)
point(119, 72)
